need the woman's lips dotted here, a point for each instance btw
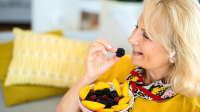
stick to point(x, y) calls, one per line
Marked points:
point(135, 54)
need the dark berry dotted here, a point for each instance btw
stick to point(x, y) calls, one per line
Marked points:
point(106, 91)
point(115, 103)
point(105, 103)
point(88, 98)
point(120, 52)
point(98, 100)
point(114, 95)
point(116, 99)
point(91, 90)
point(110, 102)
point(99, 93)
point(105, 96)
point(90, 94)
point(93, 97)
point(114, 91)
point(100, 97)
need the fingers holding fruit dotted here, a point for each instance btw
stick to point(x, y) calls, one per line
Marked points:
point(104, 50)
point(93, 51)
point(97, 62)
point(107, 45)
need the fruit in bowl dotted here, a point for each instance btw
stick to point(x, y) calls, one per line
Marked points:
point(105, 97)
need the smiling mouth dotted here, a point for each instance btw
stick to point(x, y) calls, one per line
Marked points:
point(137, 52)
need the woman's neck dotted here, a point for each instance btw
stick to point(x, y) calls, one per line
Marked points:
point(154, 75)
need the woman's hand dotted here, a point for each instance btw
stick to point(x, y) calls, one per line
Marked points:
point(97, 63)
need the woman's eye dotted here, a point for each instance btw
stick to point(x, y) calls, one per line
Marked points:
point(146, 36)
point(143, 34)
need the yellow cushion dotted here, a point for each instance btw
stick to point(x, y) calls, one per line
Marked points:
point(45, 59)
point(120, 70)
point(6, 54)
point(22, 93)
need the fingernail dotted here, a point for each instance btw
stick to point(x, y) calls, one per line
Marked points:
point(115, 49)
point(109, 46)
point(100, 47)
point(105, 51)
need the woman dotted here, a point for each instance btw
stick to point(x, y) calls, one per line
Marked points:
point(165, 44)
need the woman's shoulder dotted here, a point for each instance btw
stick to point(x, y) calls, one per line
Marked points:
point(194, 100)
point(179, 103)
point(184, 100)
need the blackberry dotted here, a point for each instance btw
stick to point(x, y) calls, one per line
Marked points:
point(105, 103)
point(115, 103)
point(100, 98)
point(120, 52)
point(99, 93)
point(88, 98)
point(90, 93)
point(114, 91)
point(110, 102)
point(106, 91)
point(114, 95)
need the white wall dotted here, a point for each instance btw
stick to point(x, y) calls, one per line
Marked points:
point(55, 14)
point(117, 22)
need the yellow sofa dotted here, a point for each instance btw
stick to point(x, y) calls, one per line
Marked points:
point(15, 94)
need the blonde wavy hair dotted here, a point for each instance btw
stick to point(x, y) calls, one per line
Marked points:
point(176, 25)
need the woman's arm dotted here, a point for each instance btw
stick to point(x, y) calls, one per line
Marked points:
point(69, 102)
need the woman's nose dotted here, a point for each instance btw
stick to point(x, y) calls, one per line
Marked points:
point(135, 38)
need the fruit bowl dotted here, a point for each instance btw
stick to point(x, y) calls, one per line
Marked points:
point(111, 89)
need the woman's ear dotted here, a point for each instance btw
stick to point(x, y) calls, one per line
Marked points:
point(172, 60)
point(172, 56)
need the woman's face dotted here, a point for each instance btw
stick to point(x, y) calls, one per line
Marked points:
point(152, 55)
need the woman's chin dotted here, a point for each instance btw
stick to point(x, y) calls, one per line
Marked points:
point(135, 62)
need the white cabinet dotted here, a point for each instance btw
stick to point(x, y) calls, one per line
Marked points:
point(55, 14)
